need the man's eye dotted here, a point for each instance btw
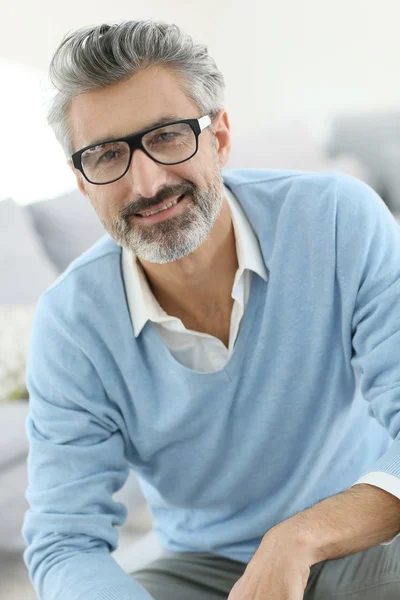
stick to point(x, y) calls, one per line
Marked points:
point(108, 156)
point(169, 136)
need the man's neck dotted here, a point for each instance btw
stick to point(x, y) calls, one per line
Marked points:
point(201, 280)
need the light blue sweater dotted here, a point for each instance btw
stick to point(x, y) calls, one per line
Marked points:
point(224, 456)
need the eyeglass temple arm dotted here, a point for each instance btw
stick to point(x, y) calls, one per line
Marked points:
point(204, 122)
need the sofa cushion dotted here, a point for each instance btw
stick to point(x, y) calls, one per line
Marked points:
point(293, 145)
point(68, 225)
point(25, 270)
point(13, 441)
point(285, 145)
point(367, 135)
point(14, 448)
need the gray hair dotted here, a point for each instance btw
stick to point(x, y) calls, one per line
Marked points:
point(95, 57)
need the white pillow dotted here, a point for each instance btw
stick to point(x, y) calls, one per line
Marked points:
point(15, 330)
point(67, 226)
point(25, 270)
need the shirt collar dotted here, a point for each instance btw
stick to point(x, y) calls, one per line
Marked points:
point(143, 305)
point(247, 245)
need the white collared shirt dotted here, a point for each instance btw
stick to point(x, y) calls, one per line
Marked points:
point(193, 349)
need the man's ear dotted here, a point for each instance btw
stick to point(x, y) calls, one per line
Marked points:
point(222, 133)
point(79, 178)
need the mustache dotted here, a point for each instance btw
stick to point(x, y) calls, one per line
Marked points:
point(143, 204)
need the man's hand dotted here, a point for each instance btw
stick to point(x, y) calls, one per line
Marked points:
point(279, 570)
point(349, 522)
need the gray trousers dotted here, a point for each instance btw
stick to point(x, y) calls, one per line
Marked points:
point(372, 574)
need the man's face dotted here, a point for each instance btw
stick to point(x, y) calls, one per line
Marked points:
point(130, 107)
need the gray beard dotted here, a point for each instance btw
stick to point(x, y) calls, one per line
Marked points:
point(176, 237)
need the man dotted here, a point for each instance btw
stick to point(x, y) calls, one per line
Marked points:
point(234, 340)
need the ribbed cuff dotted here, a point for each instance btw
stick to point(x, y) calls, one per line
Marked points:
point(390, 461)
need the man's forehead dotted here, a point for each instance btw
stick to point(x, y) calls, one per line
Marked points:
point(145, 101)
point(146, 125)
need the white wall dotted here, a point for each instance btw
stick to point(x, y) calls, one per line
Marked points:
point(278, 56)
point(280, 59)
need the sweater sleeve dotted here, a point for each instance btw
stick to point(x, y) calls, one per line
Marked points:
point(368, 272)
point(76, 463)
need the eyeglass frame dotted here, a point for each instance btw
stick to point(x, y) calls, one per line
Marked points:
point(134, 142)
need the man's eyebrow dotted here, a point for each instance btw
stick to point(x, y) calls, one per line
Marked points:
point(148, 125)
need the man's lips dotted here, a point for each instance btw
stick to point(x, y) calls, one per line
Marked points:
point(160, 205)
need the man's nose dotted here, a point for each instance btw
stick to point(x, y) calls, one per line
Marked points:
point(147, 176)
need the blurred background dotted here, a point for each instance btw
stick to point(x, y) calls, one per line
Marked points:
point(312, 85)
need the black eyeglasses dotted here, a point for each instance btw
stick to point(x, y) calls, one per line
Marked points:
point(168, 144)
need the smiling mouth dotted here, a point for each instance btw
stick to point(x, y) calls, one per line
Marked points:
point(163, 207)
